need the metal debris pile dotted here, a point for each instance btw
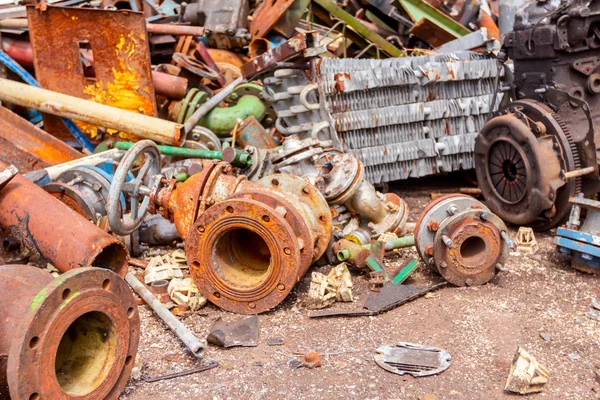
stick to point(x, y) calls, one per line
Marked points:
point(212, 152)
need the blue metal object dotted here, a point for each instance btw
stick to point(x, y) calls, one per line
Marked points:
point(29, 79)
point(582, 242)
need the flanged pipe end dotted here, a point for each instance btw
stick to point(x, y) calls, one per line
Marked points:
point(244, 256)
point(78, 339)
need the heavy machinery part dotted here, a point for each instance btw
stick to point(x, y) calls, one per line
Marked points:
point(85, 189)
point(204, 138)
point(75, 336)
point(554, 50)
point(54, 232)
point(133, 189)
point(157, 231)
point(195, 345)
point(88, 111)
point(28, 147)
point(225, 22)
point(120, 75)
point(580, 240)
point(403, 117)
point(459, 237)
point(248, 252)
point(252, 133)
point(522, 154)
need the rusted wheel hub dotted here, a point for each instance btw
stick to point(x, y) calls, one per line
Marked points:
point(520, 155)
point(461, 239)
point(71, 337)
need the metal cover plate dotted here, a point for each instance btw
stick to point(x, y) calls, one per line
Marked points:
point(412, 359)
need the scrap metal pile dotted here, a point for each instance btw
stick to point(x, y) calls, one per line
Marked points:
point(255, 136)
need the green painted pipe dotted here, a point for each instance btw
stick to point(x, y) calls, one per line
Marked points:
point(406, 241)
point(222, 120)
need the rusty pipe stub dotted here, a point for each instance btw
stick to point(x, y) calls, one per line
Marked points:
point(246, 253)
point(467, 248)
point(75, 336)
point(56, 233)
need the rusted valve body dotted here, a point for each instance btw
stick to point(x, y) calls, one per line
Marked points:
point(71, 337)
point(247, 243)
point(54, 231)
point(460, 238)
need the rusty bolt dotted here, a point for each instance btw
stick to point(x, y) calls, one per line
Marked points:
point(217, 295)
point(226, 168)
point(429, 250)
point(469, 282)
point(281, 287)
point(210, 201)
point(201, 229)
point(444, 265)
point(252, 305)
point(433, 226)
point(306, 190)
point(287, 251)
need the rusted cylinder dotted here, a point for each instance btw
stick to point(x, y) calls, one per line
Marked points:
point(58, 234)
point(19, 50)
point(462, 240)
point(251, 242)
point(171, 86)
point(71, 337)
point(78, 109)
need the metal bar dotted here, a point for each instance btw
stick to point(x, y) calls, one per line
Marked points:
point(27, 77)
point(210, 104)
point(28, 147)
point(579, 172)
point(91, 160)
point(195, 345)
point(78, 109)
point(177, 151)
point(419, 10)
point(362, 30)
point(202, 368)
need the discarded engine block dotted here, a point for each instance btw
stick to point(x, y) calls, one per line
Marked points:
point(71, 337)
point(458, 237)
point(403, 118)
point(541, 149)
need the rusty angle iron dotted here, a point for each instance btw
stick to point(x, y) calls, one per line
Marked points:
point(75, 336)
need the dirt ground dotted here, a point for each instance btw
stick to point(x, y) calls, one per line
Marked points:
point(481, 327)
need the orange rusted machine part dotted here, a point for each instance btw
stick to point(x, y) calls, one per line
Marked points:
point(247, 243)
point(28, 147)
point(56, 233)
point(75, 336)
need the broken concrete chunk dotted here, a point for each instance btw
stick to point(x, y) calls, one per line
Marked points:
point(326, 290)
point(184, 292)
point(241, 332)
point(526, 374)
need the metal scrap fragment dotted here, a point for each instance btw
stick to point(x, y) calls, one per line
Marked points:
point(239, 333)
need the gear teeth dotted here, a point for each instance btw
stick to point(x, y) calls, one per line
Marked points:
point(574, 151)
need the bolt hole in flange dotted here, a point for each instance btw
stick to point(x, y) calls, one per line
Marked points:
point(242, 257)
point(473, 251)
point(86, 354)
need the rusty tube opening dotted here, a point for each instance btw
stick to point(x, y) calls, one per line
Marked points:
point(473, 251)
point(113, 257)
point(242, 258)
point(86, 354)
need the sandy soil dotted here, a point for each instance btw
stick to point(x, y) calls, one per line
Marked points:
point(481, 327)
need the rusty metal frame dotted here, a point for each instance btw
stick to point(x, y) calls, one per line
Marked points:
point(121, 59)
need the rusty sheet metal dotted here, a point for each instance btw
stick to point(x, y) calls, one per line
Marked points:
point(267, 16)
point(30, 148)
point(120, 76)
point(53, 330)
point(289, 49)
point(54, 232)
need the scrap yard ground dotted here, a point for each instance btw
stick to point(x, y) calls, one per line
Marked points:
point(481, 327)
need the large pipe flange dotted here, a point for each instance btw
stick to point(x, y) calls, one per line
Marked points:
point(459, 237)
point(70, 338)
point(521, 157)
point(244, 256)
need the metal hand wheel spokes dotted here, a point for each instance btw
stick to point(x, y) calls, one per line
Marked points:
point(135, 190)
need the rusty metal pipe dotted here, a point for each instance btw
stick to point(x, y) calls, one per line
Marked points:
point(71, 337)
point(58, 234)
point(171, 86)
point(161, 29)
point(75, 108)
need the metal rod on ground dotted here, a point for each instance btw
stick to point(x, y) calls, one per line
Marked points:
point(26, 76)
point(78, 109)
point(210, 104)
point(195, 345)
point(166, 29)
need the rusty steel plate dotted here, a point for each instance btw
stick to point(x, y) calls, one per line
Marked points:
point(66, 40)
point(267, 16)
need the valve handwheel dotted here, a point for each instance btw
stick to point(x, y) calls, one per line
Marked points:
point(136, 191)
